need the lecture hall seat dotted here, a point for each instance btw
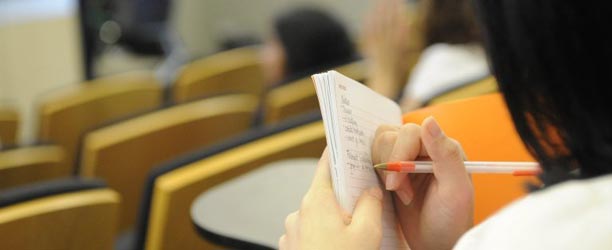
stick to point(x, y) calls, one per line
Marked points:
point(299, 97)
point(28, 165)
point(68, 113)
point(164, 219)
point(9, 123)
point(481, 86)
point(67, 214)
point(233, 71)
point(123, 153)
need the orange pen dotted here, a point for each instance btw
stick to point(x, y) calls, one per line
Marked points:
point(497, 167)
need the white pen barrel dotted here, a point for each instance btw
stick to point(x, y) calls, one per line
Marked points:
point(483, 167)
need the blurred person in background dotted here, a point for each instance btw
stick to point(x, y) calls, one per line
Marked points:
point(304, 41)
point(139, 26)
point(452, 54)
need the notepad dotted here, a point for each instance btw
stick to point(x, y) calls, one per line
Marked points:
point(351, 114)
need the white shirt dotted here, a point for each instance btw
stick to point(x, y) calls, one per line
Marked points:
point(444, 66)
point(572, 215)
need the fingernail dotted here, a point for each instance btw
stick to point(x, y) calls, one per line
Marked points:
point(376, 193)
point(404, 196)
point(434, 128)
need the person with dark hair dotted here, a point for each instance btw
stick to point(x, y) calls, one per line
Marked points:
point(551, 61)
point(305, 41)
point(448, 33)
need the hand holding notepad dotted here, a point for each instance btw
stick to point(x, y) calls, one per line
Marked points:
point(351, 114)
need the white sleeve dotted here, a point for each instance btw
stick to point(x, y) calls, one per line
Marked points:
point(442, 67)
point(573, 215)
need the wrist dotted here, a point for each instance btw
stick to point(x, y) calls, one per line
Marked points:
point(384, 84)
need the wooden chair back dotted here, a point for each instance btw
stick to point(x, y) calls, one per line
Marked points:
point(72, 220)
point(299, 97)
point(169, 224)
point(124, 153)
point(480, 87)
point(67, 114)
point(28, 165)
point(9, 123)
point(234, 71)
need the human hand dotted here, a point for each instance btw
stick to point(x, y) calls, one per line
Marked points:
point(385, 44)
point(322, 224)
point(434, 210)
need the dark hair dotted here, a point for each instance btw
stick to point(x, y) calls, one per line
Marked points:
point(552, 60)
point(449, 21)
point(313, 41)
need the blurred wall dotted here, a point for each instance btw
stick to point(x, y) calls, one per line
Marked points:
point(201, 22)
point(39, 51)
point(40, 46)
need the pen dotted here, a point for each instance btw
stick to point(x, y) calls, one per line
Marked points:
point(498, 167)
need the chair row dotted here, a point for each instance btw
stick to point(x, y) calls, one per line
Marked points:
point(123, 153)
point(163, 220)
point(77, 120)
point(81, 213)
point(66, 115)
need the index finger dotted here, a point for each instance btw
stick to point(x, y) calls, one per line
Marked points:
point(322, 177)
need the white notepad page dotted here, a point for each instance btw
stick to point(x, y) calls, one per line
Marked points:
point(351, 114)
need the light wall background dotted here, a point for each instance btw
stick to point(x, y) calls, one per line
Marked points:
point(39, 51)
point(201, 23)
point(40, 41)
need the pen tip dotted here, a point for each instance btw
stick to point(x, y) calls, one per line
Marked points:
point(381, 166)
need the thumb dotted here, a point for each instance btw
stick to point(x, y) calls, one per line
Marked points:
point(367, 215)
point(446, 154)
